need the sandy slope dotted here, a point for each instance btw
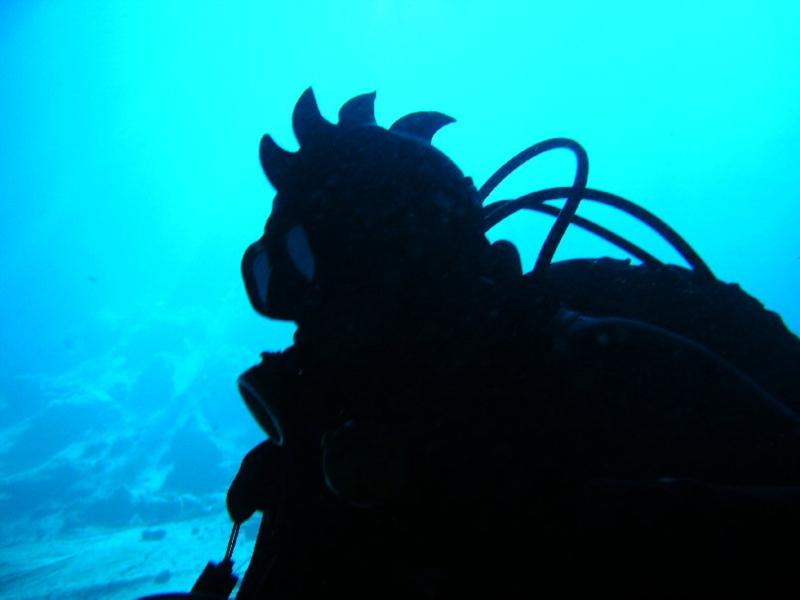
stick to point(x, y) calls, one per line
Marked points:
point(135, 561)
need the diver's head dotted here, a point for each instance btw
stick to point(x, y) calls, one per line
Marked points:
point(361, 212)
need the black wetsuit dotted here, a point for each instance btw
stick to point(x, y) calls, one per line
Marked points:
point(515, 447)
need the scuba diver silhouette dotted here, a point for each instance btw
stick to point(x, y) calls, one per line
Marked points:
point(445, 424)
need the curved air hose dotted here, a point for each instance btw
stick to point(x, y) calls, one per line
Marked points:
point(498, 211)
point(574, 194)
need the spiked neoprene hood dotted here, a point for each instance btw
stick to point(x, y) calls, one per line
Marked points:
point(358, 202)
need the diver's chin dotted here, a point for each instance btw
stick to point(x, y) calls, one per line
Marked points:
point(255, 386)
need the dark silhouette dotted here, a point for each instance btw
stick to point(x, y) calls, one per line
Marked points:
point(446, 426)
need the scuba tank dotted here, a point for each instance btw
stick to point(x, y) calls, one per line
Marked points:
point(720, 316)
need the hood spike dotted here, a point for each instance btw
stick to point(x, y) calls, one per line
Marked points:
point(421, 125)
point(358, 111)
point(275, 161)
point(307, 121)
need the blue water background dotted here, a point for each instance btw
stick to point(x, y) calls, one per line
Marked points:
point(130, 186)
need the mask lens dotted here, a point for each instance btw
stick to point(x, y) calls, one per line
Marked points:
point(256, 273)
